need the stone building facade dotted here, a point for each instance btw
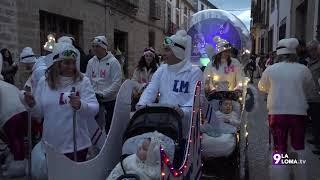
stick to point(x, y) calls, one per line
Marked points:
point(129, 25)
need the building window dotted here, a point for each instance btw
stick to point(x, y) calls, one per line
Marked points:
point(282, 29)
point(59, 26)
point(178, 4)
point(272, 5)
point(152, 37)
point(121, 43)
point(178, 18)
point(202, 7)
point(270, 40)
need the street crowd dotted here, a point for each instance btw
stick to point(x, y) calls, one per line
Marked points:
point(64, 81)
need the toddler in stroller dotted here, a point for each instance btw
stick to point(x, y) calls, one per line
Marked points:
point(219, 135)
point(149, 128)
point(145, 163)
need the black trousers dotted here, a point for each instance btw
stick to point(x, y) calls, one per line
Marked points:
point(314, 113)
point(109, 106)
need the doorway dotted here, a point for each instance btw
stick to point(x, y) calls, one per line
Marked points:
point(121, 46)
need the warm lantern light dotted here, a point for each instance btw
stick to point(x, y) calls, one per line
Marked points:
point(163, 174)
point(216, 78)
point(50, 43)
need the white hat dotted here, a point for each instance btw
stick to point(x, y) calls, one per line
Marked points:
point(287, 46)
point(66, 39)
point(27, 56)
point(179, 44)
point(62, 51)
point(221, 44)
point(101, 41)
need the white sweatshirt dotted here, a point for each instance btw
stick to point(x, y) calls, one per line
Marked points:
point(53, 106)
point(10, 103)
point(287, 85)
point(231, 74)
point(105, 76)
point(176, 84)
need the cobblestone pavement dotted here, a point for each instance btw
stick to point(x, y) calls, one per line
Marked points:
point(258, 150)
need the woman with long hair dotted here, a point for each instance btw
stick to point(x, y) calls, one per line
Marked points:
point(145, 69)
point(143, 73)
point(9, 68)
point(61, 93)
point(223, 70)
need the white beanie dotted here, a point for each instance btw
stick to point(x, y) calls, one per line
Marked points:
point(180, 44)
point(59, 52)
point(101, 41)
point(66, 39)
point(27, 56)
point(287, 46)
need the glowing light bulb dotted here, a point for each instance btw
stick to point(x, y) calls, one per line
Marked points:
point(216, 78)
point(240, 84)
point(247, 134)
point(240, 98)
point(163, 174)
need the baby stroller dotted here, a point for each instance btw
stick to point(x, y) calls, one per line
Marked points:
point(186, 163)
point(233, 166)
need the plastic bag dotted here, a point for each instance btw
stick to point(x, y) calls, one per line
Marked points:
point(39, 163)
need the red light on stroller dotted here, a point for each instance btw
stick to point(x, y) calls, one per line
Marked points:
point(175, 173)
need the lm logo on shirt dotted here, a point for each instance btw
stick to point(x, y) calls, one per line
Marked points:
point(181, 86)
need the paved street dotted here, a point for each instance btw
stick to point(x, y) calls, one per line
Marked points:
point(258, 146)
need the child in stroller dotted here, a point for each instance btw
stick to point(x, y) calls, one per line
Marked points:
point(219, 135)
point(150, 127)
point(145, 163)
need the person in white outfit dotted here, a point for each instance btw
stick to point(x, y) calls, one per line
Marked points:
point(104, 72)
point(27, 60)
point(13, 123)
point(287, 109)
point(223, 67)
point(61, 93)
point(176, 80)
